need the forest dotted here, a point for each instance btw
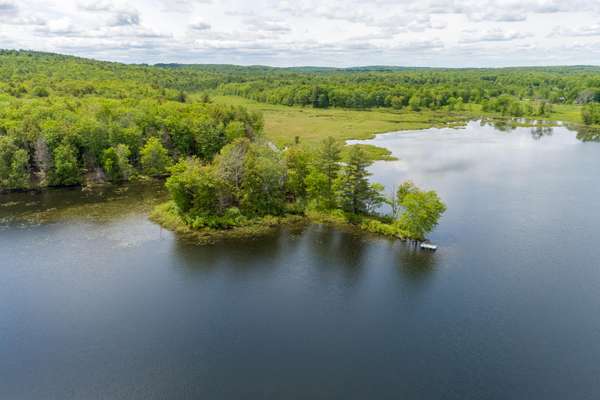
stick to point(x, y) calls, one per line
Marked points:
point(250, 185)
point(509, 91)
point(66, 120)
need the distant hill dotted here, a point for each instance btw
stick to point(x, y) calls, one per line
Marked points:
point(30, 73)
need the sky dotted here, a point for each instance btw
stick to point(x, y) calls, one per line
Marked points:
point(436, 33)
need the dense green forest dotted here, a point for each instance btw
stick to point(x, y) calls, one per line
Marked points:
point(509, 91)
point(250, 184)
point(66, 120)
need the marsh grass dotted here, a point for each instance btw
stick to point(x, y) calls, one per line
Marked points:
point(283, 124)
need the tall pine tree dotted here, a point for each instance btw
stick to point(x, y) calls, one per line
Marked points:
point(320, 181)
point(353, 188)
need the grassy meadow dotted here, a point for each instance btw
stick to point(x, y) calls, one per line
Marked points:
point(284, 123)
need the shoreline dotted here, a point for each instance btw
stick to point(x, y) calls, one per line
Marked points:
point(167, 217)
point(374, 152)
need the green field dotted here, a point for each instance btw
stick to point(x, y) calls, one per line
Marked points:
point(567, 113)
point(284, 123)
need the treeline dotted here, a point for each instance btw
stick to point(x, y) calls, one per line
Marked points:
point(65, 141)
point(511, 106)
point(33, 75)
point(250, 180)
point(423, 89)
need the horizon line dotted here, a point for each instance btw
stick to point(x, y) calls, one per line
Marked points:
point(349, 67)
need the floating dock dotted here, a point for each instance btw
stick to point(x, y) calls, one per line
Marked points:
point(428, 246)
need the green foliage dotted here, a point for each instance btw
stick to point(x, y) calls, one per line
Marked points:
point(102, 111)
point(230, 169)
point(246, 176)
point(318, 190)
point(262, 190)
point(115, 162)
point(374, 197)
point(323, 174)
point(404, 189)
point(232, 224)
point(14, 165)
point(383, 228)
point(355, 194)
point(66, 166)
point(231, 218)
point(19, 175)
point(455, 104)
point(29, 73)
point(415, 103)
point(591, 114)
point(421, 210)
point(249, 181)
point(416, 88)
point(99, 131)
point(7, 150)
point(505, 105)
point(40, 92)
point(297, 160)
point(154, 158)
point(235, 130)
point(194, 188)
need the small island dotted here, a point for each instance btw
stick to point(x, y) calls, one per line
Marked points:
point(251, 186)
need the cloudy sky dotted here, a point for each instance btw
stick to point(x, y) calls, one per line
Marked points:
point(310, 32)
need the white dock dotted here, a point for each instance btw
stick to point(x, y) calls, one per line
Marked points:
point(428, 246)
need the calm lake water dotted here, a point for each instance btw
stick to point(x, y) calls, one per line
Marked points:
point(96, 302)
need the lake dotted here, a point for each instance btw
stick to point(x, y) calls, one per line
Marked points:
point(96, 302)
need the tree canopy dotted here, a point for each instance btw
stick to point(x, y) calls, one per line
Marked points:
point(249, 180)
point(64, 120)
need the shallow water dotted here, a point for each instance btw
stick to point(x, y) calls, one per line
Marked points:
point(97, 302)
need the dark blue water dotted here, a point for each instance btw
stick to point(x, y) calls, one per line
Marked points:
point(96, 302)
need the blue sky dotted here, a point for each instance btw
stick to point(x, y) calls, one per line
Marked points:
point(328, 33)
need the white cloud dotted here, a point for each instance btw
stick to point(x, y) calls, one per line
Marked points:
point(8, 7)
point(499, 16)
point(200, 26)
point(317, 32)
point(96, 6)
point(259, 24)
point(31, 20)
point(493, 35)
point(125, 18)
point(587, 30)
point(58, 27)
